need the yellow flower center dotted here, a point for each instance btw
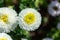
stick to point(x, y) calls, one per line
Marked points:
point(29, 18)
point(3, 38)
point(4, 18)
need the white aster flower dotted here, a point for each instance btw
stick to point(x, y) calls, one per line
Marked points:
point(4, 36)
point(58, 26)
point(54, 8)
point(29, 19)
point(8, 19)
point(47, 39)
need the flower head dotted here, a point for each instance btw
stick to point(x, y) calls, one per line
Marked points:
point(4, 36)
point(29, 19)
point(8, 20)
point(47, 39)
point(54, 8)
point(24, 39)
point(58, 26)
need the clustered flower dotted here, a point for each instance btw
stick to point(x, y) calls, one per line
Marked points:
point(28, 19)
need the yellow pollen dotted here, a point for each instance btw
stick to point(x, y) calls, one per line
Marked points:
point(3, 38)
point(29, 18)
point(4, 18)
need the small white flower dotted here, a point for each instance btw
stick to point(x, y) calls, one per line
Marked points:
point(54, 8)
point(29, 19)
point(4, 36)
point(24, 39)
point(58, 26)
point(47, 39)
point(8, 19)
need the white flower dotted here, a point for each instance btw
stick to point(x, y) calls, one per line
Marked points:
point(8, 19)
point(58, 26)
point(54, 8)
point(24, 39)
point(47, 39)
point(4, 36)
point(29, 19)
